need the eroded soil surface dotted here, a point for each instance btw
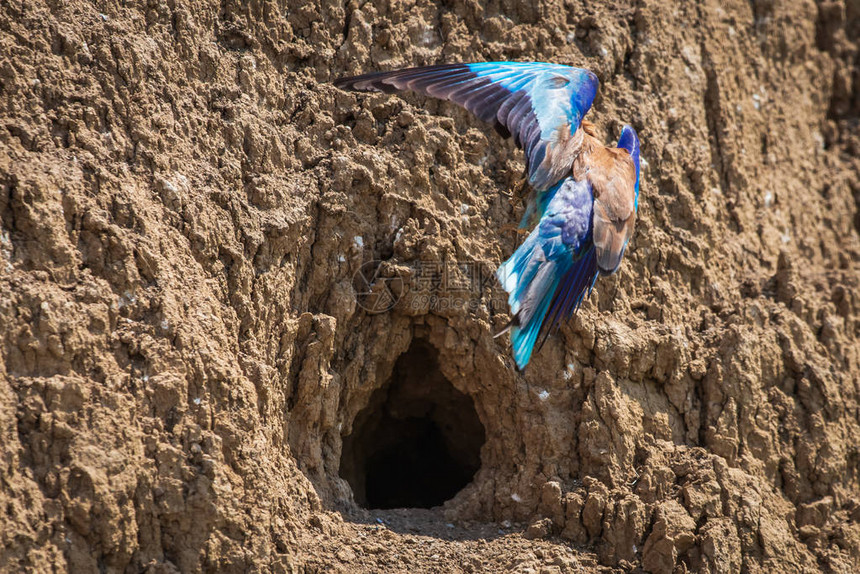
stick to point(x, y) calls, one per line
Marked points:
point(193, 325)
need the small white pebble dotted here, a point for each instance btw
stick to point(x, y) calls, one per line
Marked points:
point(168, 186)
point(359, 241)
point(819, 139)
point(756, 101)
point(568, 372)
point(44, 306)
point(543, 395)
point(197, 401)
point(516, 497)
point(768, 199)
point(428, 37)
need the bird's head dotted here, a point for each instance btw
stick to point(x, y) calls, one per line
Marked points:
point(630, 141)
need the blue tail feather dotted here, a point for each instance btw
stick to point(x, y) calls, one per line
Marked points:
point(523, 339)
point(545, 287)
point(531, 320)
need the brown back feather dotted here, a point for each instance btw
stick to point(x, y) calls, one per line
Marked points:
point(613, 179)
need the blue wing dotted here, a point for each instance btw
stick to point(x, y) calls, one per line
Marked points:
point(541, 105)
point(549, 274)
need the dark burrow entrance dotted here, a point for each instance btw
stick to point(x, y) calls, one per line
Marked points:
point(418, 441)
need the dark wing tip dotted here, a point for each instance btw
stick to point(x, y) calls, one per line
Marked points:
point(373, 82)
point(364, 83)
point(344, 83)
point(394, 80)
point(501, 130)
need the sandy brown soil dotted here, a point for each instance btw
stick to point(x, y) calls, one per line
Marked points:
point(185, 201)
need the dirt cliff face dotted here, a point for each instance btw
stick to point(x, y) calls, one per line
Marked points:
point(238, 304)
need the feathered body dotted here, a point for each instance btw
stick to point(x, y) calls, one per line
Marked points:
point(586, 194)
point(584, 224)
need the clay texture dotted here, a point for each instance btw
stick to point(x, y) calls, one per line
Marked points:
point(185, 201)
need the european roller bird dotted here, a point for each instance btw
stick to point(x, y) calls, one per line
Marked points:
point(585, 194)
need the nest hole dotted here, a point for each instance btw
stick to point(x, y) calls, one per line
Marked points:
point(418, 442)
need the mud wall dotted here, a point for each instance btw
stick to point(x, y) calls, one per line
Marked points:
point(186, 201)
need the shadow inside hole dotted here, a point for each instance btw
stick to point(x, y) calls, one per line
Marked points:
point(418, 441)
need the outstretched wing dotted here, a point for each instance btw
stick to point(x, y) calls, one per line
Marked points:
point(541, 105)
